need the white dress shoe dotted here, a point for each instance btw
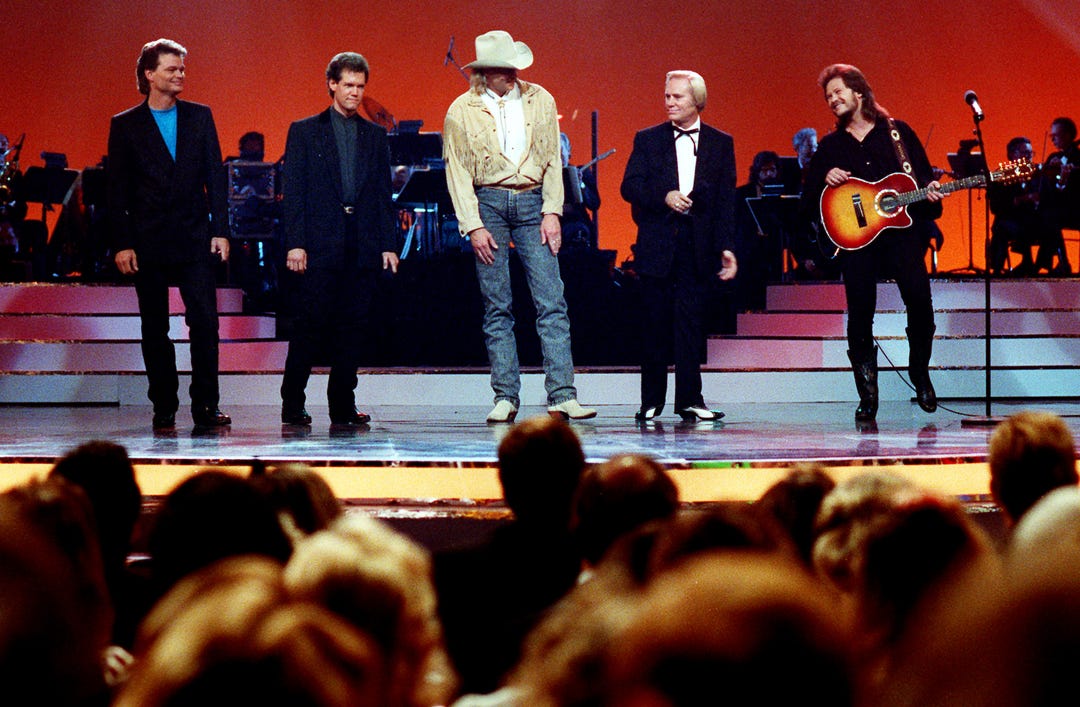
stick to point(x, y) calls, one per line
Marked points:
point(696, 413)
point(504, 411)
point(571, 410)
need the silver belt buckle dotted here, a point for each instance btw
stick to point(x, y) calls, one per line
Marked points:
point(349, 209)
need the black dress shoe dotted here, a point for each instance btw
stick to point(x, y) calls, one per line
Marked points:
point(210, 417)
point(295, 417)
point(164, 420)
point(350, 418)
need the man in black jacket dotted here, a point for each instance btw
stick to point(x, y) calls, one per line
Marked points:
point(339, 231)
point(168, 209)
point(680, 182)
point(862, 147)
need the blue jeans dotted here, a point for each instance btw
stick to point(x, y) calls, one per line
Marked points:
point(515, 217)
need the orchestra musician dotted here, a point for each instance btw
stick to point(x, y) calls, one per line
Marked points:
point(1059, 195)
point(862, 146)
point(1019, 225)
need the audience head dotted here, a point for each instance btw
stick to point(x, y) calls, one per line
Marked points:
point(229, 634)
point(794, 502)
point(993, 643)
point(617, 496)
point(210, 516)
point(847, 512)
point(50, 641)
point(105, 474)
point(739, 527)
point(743, 628)
point(303, 500)
point(1054, 520)
point(540, 466)
point(380, 582)
point(1031, 453)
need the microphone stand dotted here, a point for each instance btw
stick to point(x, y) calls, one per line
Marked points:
point(985, 420)
point(449, 59)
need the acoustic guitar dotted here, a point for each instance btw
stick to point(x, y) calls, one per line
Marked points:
point(857, 211)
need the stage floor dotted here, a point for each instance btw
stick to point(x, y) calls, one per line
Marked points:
point(446, 454)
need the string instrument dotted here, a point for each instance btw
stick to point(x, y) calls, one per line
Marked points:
point(856, 212)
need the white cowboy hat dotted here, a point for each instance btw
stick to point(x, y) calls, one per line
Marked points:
point(498, 50)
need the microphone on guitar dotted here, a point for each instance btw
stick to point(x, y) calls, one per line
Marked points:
point(449, 52)
point(973, 101)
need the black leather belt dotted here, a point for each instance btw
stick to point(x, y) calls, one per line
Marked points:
point(348, 208)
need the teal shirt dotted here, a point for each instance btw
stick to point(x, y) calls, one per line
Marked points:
point(166, 122)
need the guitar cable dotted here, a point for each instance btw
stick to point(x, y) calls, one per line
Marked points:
point(907, 382)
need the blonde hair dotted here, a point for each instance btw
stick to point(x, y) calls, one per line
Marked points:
point(697, 85)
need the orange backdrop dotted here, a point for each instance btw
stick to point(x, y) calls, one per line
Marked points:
point(65, 67)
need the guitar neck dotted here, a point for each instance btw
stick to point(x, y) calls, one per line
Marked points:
point(911, 197)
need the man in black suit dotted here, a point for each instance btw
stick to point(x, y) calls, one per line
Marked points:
point(680, 182)
point(339, 230)
point(167, 204)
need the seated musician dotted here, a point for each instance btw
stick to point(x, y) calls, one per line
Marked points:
point(1059, 195)
point(1018, 223)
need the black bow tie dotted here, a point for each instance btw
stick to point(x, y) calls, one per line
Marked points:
point(679, 132)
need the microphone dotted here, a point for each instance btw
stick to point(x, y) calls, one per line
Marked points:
point(973, 101)
point(449, 52)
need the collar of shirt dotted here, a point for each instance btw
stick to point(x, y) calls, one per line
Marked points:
point(509, 113)
point(686, 156)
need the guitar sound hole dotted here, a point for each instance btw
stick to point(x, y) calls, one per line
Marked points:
point(888, 204)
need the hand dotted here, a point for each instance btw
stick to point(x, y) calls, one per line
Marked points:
point(678, 202)
point(551, 232)
point(390, 261)
point(836, 176)
point(484, 245)
point(933, 193)
point(126, 262)
point(220, 247)
point(296, 260)
point(728, 266)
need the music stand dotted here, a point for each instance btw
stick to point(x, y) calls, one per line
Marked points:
point(426, 189)
point(965, 163)
point(47, 186)
point(414, 148)
point(774, 207)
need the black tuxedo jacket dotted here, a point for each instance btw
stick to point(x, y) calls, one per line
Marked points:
point(166, 210)
point(313, 204)
point(652, 172)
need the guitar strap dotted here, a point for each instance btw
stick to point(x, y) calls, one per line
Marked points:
point(901, 152)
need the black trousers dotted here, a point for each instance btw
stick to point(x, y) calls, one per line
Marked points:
point(332, 310)
point(897, 254)
point(673, 315)
point(198, 289)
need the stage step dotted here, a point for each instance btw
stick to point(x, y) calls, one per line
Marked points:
point(949, 294)
point(67, 343)
point(90, 298)
point(121, 327)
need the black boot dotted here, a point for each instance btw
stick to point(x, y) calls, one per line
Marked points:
point(864, 366)
point(920, 346)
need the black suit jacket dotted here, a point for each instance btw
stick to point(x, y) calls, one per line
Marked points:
point(652, 172)
point(313, 198)
point(166, 210)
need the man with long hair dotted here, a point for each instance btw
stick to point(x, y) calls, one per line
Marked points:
point(864, 146)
